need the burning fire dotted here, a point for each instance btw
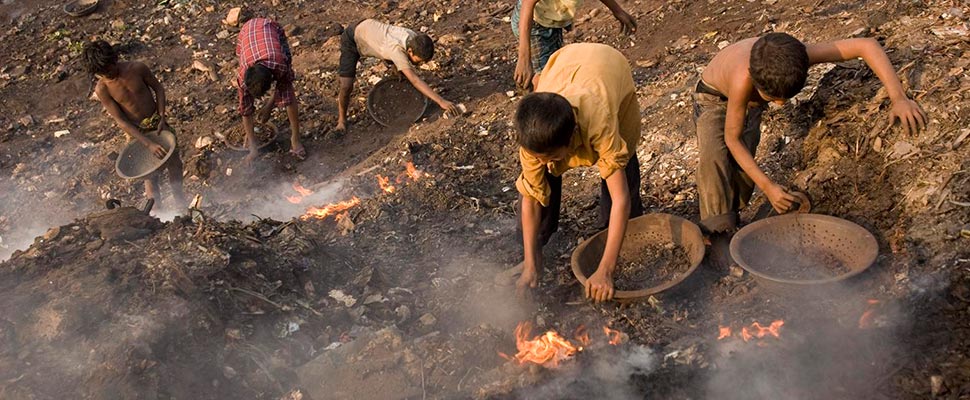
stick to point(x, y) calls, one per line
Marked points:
point(753, 331)
point(302, 192)
point(413, 172)
point(330, 209)
point(868, 316)
point(385, 184)
point(550, 348)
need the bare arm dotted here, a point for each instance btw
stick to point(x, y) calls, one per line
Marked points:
point(628, 25)
point(739, 94)
point(426, 90)
point(159, 90)
point(909, 113)
point(531, 215)
point(599, 286)
point(524, 67)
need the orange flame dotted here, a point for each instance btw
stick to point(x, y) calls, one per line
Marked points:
point(615, 337)
point(385, 184)
point(723, 332)
point(330, 209)
point(759, 331)
point(303, 192)
point(865, 321)
point(548, 349)
point(413, 172)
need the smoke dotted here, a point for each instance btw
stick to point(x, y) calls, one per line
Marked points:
point(17, 232)
point(602, 373)
point(824, 351)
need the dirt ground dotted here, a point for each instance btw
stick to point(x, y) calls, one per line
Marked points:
point(396, 296)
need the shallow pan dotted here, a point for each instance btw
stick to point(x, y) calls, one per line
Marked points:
point(80, 8)
point(395, 102)
point(650, 229)
point(136, 161)
point(272, 138)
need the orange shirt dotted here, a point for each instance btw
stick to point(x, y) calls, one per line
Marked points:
point(597, 81)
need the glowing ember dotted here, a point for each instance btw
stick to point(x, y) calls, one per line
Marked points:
point(413, 172)
point(582, 336)
point(302, 192)
point(330, 209)
point(757, 331)
point(865, 321)
point(615, 337)
point(724, 332)
point(385, 184)
point(548, 349)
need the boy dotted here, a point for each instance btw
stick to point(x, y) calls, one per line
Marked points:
point(264, 58)
point(584, 112)
point(126, 89)
point(401, 46)
point(728, 102)
point(538, 25)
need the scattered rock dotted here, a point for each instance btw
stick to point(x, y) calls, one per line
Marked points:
point(203, 141)
point(223, 34)
point(937, 386)
point(428, 319)
point(26, 120)
point(902, 149)
point(60, 133)
point(232, 18)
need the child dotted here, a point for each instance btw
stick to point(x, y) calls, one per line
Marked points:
point(264, 58)
point(401, 46)
point(538, 25)
point(729, 99)
point(584, 112)
point(125, 90)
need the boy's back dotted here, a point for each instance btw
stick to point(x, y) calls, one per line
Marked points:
point(729, 66)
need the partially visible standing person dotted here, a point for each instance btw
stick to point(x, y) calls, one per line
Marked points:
point(265, 60)
point(539, 24)
point(135, 99)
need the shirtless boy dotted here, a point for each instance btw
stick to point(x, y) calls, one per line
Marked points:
point(729, 100)
point(132, 95)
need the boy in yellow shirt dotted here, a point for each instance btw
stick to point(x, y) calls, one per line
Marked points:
point(584, 112)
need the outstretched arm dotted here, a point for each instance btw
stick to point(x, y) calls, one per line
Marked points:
point(426, 90)
point(628, 25)
point(599, 286)
point(908, 111)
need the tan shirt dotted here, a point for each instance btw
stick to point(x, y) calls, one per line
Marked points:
point(597, 81)
point(384, 41)
point(556, 13)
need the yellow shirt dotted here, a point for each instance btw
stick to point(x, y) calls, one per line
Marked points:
point(597, 81)
point(556, 13)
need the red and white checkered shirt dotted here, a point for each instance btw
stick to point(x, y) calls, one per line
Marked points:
point(262, 41)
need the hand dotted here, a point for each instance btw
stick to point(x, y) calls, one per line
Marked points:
point(628, 25)
point(156, 149)
point(910, 115)
point(449, 108)
point(528, 280)
point(780, 199)
point(523, 72)
point(599, 286)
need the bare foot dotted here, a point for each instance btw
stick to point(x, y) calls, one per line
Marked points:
point(297, 149)
point(340, 129)
point(720, 257)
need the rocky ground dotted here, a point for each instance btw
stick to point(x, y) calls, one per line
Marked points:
point(395, 297)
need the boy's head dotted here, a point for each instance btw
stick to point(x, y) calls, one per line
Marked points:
point(420, 48)
point(100, 59)
point(258, 79)
point(779, 66)
point(545, 124)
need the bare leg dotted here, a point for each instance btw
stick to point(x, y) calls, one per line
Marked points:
point(151, 187)
point(293, 114)
point(343, 102)
point(174, 169)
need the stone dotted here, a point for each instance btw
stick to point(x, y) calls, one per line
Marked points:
point(223, 34)
point(232, 18)
point(428, 319)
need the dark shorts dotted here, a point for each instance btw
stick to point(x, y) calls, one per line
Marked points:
point(544, 41)
point(349, 55)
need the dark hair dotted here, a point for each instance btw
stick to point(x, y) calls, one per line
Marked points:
point(422, 46)
point(779, 65)
point(544, 122)
point(99, 57)
point(258, 79)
